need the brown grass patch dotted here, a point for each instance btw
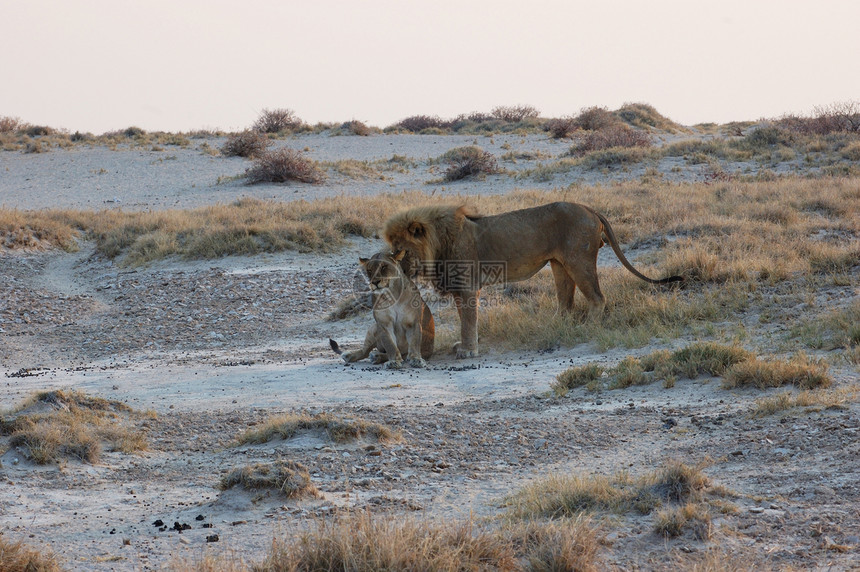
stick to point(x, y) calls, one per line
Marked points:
point(288, 478)
point(809, 400)
point(57, 425)
point(19, 557)
point(337, 429)
point(801, 371)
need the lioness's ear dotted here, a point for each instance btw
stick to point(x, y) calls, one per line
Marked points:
point(363, 261)
point(416, 229)
point(398, 256)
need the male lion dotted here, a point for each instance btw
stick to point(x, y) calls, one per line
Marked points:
point(403, 322)
point(460, 251)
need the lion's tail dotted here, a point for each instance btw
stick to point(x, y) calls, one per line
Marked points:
point(613, 242)
point(334, 347)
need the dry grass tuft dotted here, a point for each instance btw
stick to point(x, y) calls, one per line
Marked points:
point(695, 517)
point(287, 477)
point(19, 557)
point(338, 429)
point(563, 496)
point(801, 371)
point(364, 544)
point(56, 425)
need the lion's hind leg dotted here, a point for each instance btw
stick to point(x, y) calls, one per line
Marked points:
point(583, 274)
point(565, 287)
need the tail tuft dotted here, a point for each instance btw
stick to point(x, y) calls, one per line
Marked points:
point(334, 347)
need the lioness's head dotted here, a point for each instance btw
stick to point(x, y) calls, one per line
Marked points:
point(382, 268)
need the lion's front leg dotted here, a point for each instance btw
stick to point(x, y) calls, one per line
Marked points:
point(467, 308)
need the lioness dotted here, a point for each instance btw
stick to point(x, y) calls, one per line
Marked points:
point(403, 322)
point(461, 251)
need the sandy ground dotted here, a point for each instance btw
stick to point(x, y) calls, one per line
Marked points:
point(214, 348)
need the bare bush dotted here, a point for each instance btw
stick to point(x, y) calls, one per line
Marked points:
point(10, 124)
point(469, 162)
point(562, 127)
point(248, 143)
point(356, 128)
point(595, 118)
point(614, 136)
point(841, 117)
point(277, 120)
point(418, 123)
point(515, 113)
point(283, 165)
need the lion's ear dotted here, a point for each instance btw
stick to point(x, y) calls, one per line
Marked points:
point(363, 261)
point(417, 230)
point(398, 256)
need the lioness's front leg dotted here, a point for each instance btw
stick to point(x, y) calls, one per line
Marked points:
point(388, 342)
point(467, 308)
point(413, 356)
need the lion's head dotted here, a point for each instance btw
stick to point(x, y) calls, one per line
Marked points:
point(426, 233)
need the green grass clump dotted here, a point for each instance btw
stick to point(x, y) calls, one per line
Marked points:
point(337, 429)
point(576, 377)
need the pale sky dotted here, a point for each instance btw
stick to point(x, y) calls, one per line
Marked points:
point(181, 65)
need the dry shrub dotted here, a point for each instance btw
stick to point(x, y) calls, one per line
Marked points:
point(19, 557)
point(277, 121)
point(841, 117)
point(356, 128)
point(609, 137)
point(561, 127)
point(596, 118)
point(469, 161)
point(248, 143)
point(514, 113)
point(338, 429)
point(10, 124)
point(418, 123)
point(286, 477)
point(283, 165)
point(801, 371)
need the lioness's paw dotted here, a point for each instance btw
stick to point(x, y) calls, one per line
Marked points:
point(392, 364)
point(417, 362)
point(463, 353)
point(377, 358)
point(348, 358)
